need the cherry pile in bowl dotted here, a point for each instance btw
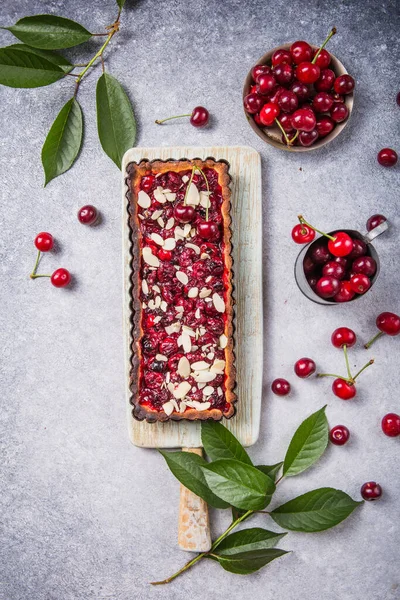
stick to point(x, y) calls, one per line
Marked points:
point(300, 93)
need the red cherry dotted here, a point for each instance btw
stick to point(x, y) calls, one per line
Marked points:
point(301, 90)
point(44, 241)
point(324, 126)
point(365, 265)
point(302, 234)
point(387, 157)
point(333, 269)
point(325, 81)
point(60, 278)
point(88, 214)
point(260, 70)
point(266, 84)
point(327, 287)
point(388, 323)
point(319, 253)
point(344, 84)
point(281, 56)
point(257, 119)
point(148, 182)
point(300, 52)
point(339, 113)
point(322, 102)
point(304, 119)
point(208, 230)
point(343, 336)
point(164, 254)
point(304, 367)
point(288, 101)
point(199, 117)
point(184, 213)
point(323, 58)
point(285, 120)
point(268, 113)
point(339, 435)
point(343, 389)
point(307, 138)
point(308, 265)
point(274, 97)
point(345, 294)
point(342, 245)
point(371, 490)
point(280, 387)
point(374, 221)
point(360, 283)
point(359, 248)
point(391, 425)
point(252, 103)
point(283, 74)
point(307, 72)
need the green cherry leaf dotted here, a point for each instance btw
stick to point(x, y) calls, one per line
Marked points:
point(63, 141)
point(52, 57)
point(21, 69)
point(219, 442)
point(187, 468)
point(308, 444)
point(121, 4)
point(116, 123)
point(239, 484)
point(249, 562)
point(270, 470)
point(315, 511)
point(246, 540)
point(49, 32)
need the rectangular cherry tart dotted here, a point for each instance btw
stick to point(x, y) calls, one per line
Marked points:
point(182, 364)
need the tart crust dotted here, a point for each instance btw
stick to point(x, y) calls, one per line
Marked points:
point(135, 172)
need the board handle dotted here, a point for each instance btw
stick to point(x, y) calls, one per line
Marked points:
point(194, 525)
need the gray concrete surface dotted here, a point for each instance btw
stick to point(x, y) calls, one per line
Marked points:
point(86, 516)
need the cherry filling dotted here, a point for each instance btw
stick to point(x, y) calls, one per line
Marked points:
point(183, 293)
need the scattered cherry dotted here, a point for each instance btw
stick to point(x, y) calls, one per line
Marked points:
point(374, 221)
point(88, 214)
point(387, 157)
point(327, 287)
point(319, 253)
point(280, 387)
point(288, 101)
point(371, 490)
point(198, 117)
point(339, 435)
point(344, 84)
point(285, 120)
point(343, 389)
point(388, 323)
point(304, 367)
point(302, 234)
point(44, 241)
point(359, 248)
point(301, 90)
point(343, 336)
point(391, 425)
point(184, 213)
point(61, 278)
point(360, 283)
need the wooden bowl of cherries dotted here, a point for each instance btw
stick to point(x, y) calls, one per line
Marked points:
point(298, 97)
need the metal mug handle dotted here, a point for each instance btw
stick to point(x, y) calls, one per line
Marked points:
point(371, 235)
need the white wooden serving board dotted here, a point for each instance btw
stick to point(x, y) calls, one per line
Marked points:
point(245, 170)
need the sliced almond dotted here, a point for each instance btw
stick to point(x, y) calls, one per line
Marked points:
point(170, 223)
point(181, 390)
point(160, 221)
point(156, 288)
point(169, 244)
point(174, 328)
point(188, 330)
point(204, 376)
point(202, 330)
point(207, 299)
point(163, 306)
point(184, 367)
point(168, 408)
point(179, 309)
point(157, 301)
point(156, 214)
point(204, 256)
point(205, 200)
point(185, 179)
point(208, 390)
point(197, 313)
point(145, 287)
point(192, 196)
point(219, 391)
point(144, 305)
point(204, 292)
point(170, 196)
point(187, 229)
point(218, 302)
point(141, 217)
point(152, 305)
point(149, 257)
point(218, 367)
point(161, 357)
point(157, 320)
point(201, 385)
point(167, 377)
point(157, 239)
point(175, 404)
point(200, 365)
point(193, 247)
point(182, 406)
point(210, 355)
point(186, 343)
point(208, 279)
point(159, 195)
point(182, 277)
point(201, 405)
point(223, 341)
point(144, 199)
point(193, 292)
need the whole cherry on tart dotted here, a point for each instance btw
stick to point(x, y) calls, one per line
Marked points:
point(304, 367)
point(343, 336)
point(371, 491)
point(387, 157)
point(280, 387)
point(199, 117)
point(339, 435)
point(391, 425)
point(184, 213)
point(60, 278)
point(388, 323)
point(208, 230)
point(88, 214)
point(44, 241)
point(148, 182)
point(374, 221)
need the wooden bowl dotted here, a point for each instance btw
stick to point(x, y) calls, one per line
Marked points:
point(272, 135)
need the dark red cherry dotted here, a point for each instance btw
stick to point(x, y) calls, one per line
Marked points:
point(308, 265)
point(343, 389)
point(337, 98)
point(359, 248)
point(268, 113)
point(286, 122)
point(304, 367)
point(391, 425)
point(281, 56)
point(343, 336)
point(148, 183)
point(307, 138)
point(344, 84)
point(339, 113)
point(307, 72)
point(199, 116)
point(283, 74)
point(274, 97)
point(323, 59)
point(280, 387)
point(345, 293)
point(302, 234)
point(371, 490)
point(208, 230)
point(312, 281)
point(388, 323)
point(257, 119)
point(374, 221)
point(398, 99)
point(260, 70)
point(88, 215)
point(339, 435)
point(290, 136)
point(325, 81)
point(360, 283)
point(301, 90)
point(341, 245)
point(322, 102)
point(324, 126)
point(333, 269)
point(304, 119)
point(387, 157)
point(319, 253)
point(288, 101)
point(266, 84)
point(184, 213)
point(44, 241)
point(365, 265)
point(252, 103)
point(300, 52)
point(327, 287)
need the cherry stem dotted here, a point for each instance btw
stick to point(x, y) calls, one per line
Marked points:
point(304, 222)
point(289, 142)
point(378, 335)
point(160, 122)
point(371, 362)
point(333, 375)
point(33, 274)
point(188, 186)
point(346, 357)
point(205, 554)
point(36, 276)
point(208, 190)
point(331, 33)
